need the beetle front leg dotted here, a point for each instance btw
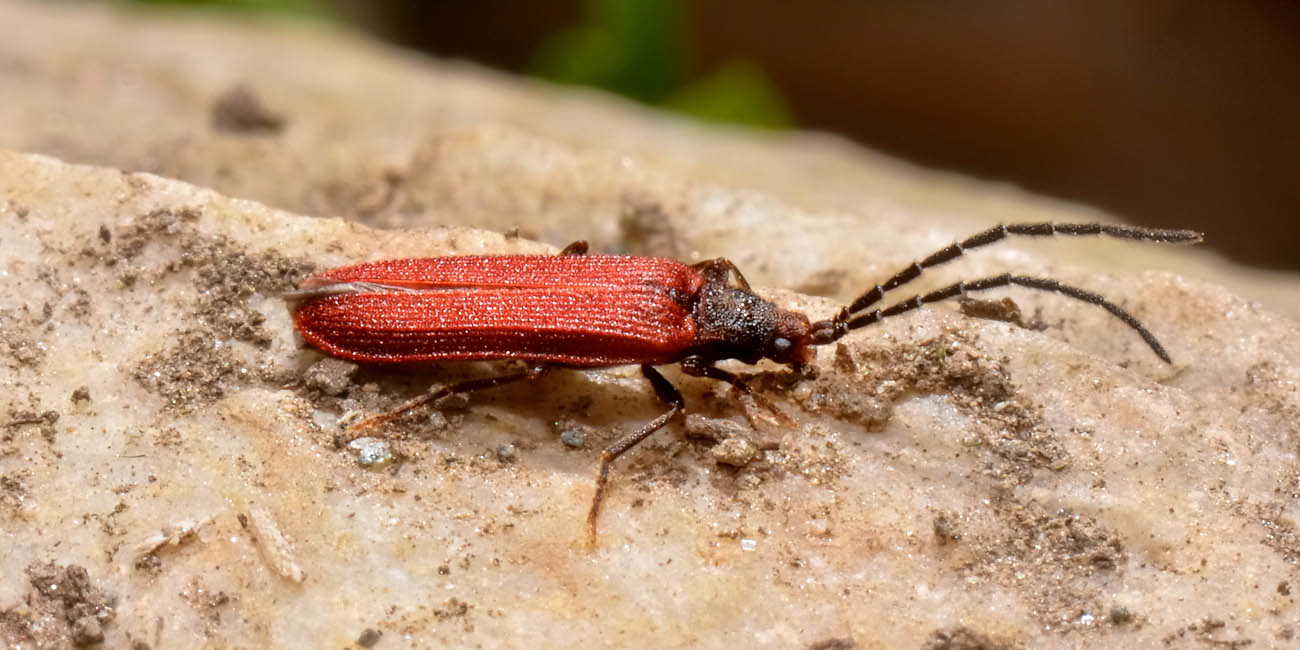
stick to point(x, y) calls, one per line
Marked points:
point(667, 394)
point(700, 367)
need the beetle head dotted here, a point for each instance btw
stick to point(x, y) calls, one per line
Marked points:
point(789, 341)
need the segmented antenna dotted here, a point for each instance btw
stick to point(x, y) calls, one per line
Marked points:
point(1002, 231)
point(1006, 279)
point(852, 316)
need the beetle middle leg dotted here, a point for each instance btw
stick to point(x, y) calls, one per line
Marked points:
point(576, 248)
point(667, 394)
point(718, 270)
point(467, 386)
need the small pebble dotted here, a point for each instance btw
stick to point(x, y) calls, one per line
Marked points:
point(1120, 615)
point(573, 438)
point(437, 420)
point(372, 452)
point(330, 376)
point(506, 452)
point(736, 452)
point(715, 429)
point(369, 638)
point(87, 631)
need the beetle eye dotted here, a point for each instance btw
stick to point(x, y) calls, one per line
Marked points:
point(781, 344)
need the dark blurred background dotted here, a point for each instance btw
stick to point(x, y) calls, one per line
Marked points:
point(1167, 112)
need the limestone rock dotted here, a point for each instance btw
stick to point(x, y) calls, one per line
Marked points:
point(948, 480)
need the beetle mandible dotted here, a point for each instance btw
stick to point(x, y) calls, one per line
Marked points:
point(591, 311)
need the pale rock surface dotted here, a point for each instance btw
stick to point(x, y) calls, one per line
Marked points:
point(172, 471)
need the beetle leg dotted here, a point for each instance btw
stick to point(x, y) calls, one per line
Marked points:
point(467, 386)
point(718, 270)
point(576, 248)
point(699, 367)
point(667, 394)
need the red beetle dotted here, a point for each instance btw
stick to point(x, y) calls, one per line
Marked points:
point(596, 311)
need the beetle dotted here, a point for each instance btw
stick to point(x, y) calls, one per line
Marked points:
point(592, 311)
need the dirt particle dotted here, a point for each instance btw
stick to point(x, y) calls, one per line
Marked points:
point(330, 376)
point(238, 110)
point(1210, 632)
point(833, 644)
point(573, 434)
point(453, 608)
point(507, 453)
point(26, 351)
point(1051, 557)
point(148, 563)
point(1120, 615)
point(1281, 533)
point(713, 429)
point(866, 386)
point(13, 493)
point(44, 422)
point(964, 638)
point(21, 211)
point(945, 529)
point(369, 637)
point(63, 607)
point(1003, 309)
point(80, 395)
point(208, 604)
point(191, 371)
point(201, 363)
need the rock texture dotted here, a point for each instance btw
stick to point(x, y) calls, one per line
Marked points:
point(172, 455)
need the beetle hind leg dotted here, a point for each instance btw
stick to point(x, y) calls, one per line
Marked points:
point(467, 386)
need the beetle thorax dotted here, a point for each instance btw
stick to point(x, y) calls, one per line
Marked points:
point(732, 323)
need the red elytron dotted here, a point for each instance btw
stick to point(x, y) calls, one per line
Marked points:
point(570, 310)
point(597, 311)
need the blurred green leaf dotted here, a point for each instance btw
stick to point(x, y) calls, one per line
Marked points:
point(738, 92)
point(638, 48)
point(632, 47)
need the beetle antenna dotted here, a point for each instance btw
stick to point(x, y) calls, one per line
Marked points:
point(1002, 231)
point(844, 323)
